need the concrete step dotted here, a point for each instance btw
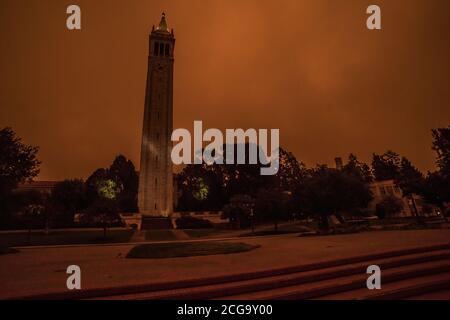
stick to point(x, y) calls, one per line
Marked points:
point(408, 288)
point(214, 286)
point(286, 280)
point(416, 286)
point(344, 284)
point(436, 295)
point(152, 223)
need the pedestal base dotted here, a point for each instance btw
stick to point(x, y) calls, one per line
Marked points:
point(152, 223)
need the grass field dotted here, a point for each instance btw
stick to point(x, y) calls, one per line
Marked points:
point(169, 250)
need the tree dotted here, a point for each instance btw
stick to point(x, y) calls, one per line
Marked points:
point(31, 210)
point(328, 191)
point(120, 182)
point(200, 189)
point(438, 182)
point(101, 192)
point(239, 210)
point(94, 182)
point(241, 178)
point(123, 172)
point(385, 166)
point(290, 172)
point(103, 212)
point(409, 178)
point(210, 187)
point(273, 205)
point(18, 161)
point(110, 191)
point(437, 188)
point(441, 145)
point(67, 198)
point(358, 168)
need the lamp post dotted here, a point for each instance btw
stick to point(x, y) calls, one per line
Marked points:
point(252, 215)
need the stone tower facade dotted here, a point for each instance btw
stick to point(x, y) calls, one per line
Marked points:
point(155, 197)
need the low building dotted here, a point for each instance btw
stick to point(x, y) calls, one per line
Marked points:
point(41, 186)
point(412, 205)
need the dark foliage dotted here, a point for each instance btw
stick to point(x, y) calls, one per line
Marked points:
point(189, 222)
point(388, 207)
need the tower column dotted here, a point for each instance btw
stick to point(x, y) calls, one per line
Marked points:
point(155, 198)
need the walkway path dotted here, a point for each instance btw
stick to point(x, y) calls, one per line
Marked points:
point(180, 235)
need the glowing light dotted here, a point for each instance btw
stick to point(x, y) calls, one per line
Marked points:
point(107, 189)
point(202, 191)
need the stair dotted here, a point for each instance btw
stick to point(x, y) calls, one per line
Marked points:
point(404, 275)
point(403, 289)
point(152, 223)
point(354, 286)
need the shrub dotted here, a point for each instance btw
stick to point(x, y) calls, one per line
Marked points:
point(189, 222)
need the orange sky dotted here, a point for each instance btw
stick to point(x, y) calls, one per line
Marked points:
point(310, 68)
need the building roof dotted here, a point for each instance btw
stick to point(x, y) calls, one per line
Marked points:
point(162, 27)
point(36, 185)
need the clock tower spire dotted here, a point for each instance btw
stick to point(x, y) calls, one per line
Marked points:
point(155, 198)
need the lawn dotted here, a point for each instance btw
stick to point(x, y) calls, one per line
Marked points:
point(169, 250)
point(38, 238)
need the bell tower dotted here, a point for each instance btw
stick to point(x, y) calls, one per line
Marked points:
point(155, 198)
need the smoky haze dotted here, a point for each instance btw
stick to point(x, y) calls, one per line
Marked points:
point(309, 68)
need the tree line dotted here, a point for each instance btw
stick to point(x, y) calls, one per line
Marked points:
point(99, 199)
point(238, 190)
point(297, 191)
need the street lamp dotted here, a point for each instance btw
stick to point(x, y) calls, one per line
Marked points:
point(251, 219)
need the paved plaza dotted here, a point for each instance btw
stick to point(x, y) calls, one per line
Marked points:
point(43, 269)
